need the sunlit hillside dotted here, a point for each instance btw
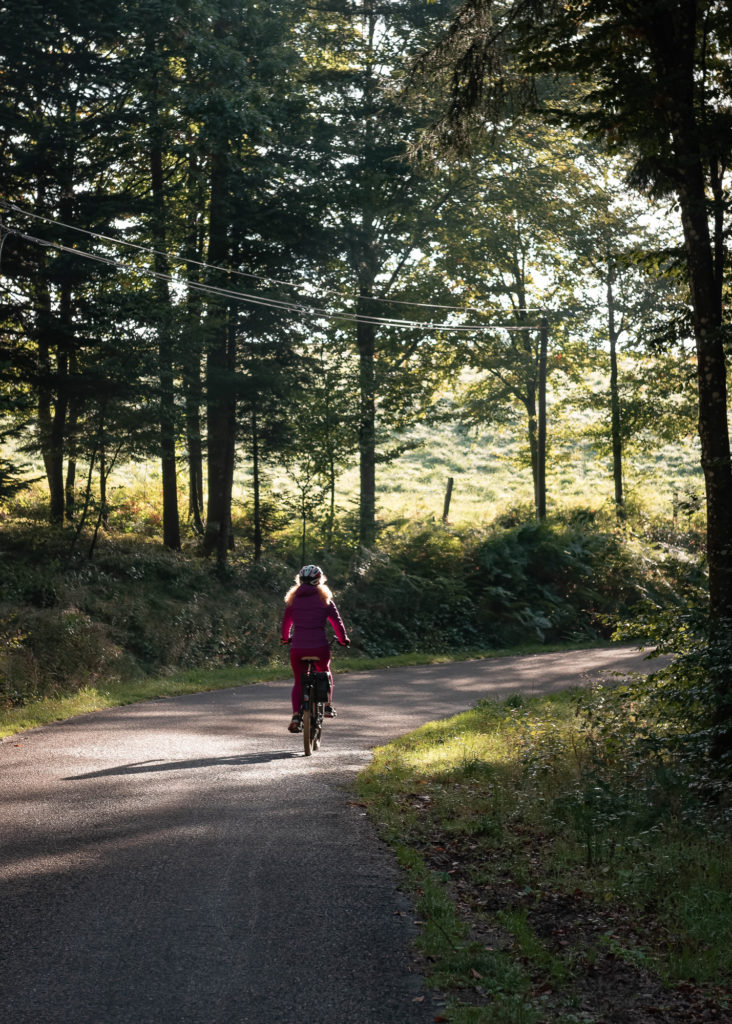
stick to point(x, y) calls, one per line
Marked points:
point(491, 477)
point(490, 473)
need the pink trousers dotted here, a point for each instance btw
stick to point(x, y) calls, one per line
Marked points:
point(323, 665)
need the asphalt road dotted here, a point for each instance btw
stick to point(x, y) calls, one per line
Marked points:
point(182, 862)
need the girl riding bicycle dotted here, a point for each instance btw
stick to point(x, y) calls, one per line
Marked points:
point(308, 606)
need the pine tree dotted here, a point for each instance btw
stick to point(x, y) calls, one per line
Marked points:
point(377, 214)
point(61, 97)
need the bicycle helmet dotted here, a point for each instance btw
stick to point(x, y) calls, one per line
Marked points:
point(311, 574)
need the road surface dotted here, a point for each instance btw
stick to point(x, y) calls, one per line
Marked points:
point(181, 861)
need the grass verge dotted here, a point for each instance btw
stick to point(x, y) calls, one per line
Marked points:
point(113, 693)
point(562, 872)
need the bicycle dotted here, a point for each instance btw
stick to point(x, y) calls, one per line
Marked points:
point(315, 695)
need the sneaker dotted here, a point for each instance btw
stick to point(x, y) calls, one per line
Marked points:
point(329, 711)
point(295, 724)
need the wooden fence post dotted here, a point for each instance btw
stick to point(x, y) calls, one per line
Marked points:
point(448, 496)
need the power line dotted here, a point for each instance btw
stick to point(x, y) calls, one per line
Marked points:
point(150, 251)
point(280, 305)
point(3, 235)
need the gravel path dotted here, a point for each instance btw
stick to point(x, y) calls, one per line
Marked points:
point(181, 862)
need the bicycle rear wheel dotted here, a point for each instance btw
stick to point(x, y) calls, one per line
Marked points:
point(307, 739)
point(316, 727)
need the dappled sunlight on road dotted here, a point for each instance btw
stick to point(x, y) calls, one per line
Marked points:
point(161, 848)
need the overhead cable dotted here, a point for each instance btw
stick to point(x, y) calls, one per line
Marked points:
point(293, 308)
point(151, 251)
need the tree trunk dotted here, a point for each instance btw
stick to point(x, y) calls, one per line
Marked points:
point(101, 451)
point(220, 394)
point(330, 526)
point(226, 535)
point(103, 519)
point(366, 343)
point(87, 500)
point(533, 386)
point(615, 422)
point(70, 488)
point(541, 426)
point(51, 409)
point(675, 55)
point(304, 526)
point(75, 406)
point(715, 452)
point(192, 354)
point(220, 418)
point(59, 337)
point(529, 402)
point(331, 429)
point(105, 469)
point(256, 486)
point(705, 261)
point(712, 387)
point(195, 471)
point(366, 269)
point(166, 402)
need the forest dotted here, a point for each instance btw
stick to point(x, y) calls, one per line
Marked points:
point(435, 294)
point(279, 254)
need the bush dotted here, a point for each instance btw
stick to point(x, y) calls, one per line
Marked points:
point(66, 622)
point(435, 587)
point(695, 690)
point(56, 651)
point(138, 607)
point(398, 606)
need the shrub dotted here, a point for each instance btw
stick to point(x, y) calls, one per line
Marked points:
point(138, 607)
point(56, 651)
point(398, 606)
point(433, 586)
point(695, 689)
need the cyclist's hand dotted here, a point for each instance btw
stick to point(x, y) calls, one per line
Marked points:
point(285, 641)
point(345, 643)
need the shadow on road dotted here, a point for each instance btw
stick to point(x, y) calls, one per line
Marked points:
point(172, 766)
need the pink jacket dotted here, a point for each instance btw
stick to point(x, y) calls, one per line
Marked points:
point(307, 616)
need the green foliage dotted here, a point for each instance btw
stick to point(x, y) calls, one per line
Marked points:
point(576, 835)
point(439, 587)
point(55, 652)
point(695, 689)
point(69, 622)
point(137, 608)
point(10, 481)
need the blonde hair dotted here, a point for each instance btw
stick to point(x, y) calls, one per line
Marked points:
point(325, 593)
